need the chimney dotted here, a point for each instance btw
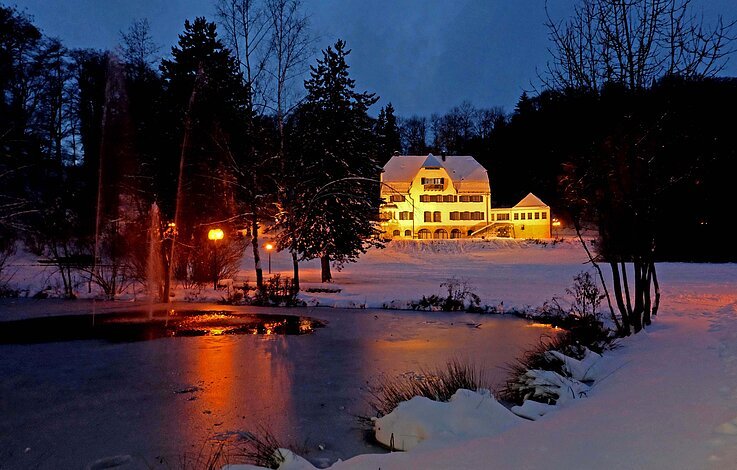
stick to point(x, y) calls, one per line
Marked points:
point(443, 155)
point(396, 153)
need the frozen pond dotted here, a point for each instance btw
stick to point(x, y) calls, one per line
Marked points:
point(66, 404)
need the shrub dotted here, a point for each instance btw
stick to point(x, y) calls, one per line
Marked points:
point(438, 385)
point(461, 296)
point(261, 449)
point(277, 291)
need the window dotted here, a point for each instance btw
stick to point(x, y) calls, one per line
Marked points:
point(433, 184)
point(397, 198)
point(455, 216)
point(406, 215)
point(491, 217)
point(529, 215)
point(395, 233)
point(465, 215)
point(449, 198)
point(437, 198)
point(423, 234)
point(464, 198)
point(436, 216)
point(477, 215)
point(408, 233)
point(424, 198)
point(523, 216)
point(545, 215)
point(386, 215)
point(477, 198)
point(432, 180)
point(455, 233)
point(503, 216)
point(537, 215)
point(440, 233)
point(516, 216)
point(428, 216)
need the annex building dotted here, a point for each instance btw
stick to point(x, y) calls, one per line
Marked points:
point(450, 197)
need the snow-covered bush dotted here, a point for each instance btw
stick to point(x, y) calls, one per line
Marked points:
point(465, 415)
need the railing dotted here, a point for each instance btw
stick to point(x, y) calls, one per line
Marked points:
point(434, 187)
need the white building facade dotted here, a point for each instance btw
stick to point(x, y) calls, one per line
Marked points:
point(431, 197)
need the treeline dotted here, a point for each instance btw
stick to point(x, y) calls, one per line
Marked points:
point(98, 145)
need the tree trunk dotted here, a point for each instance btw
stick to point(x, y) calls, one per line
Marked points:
point(295, 266)
point(256, 254)
point(656, 287)
point(325, 265)
point(617, 281)
point(639, 307)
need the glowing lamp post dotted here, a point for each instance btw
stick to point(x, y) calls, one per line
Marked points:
point(269, 247)
point(215, 234)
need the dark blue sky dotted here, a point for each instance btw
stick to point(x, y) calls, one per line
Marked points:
point(424, 56)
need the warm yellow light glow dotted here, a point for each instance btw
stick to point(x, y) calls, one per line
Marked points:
point(269, 247)
point(556, 223)
point(215, 234)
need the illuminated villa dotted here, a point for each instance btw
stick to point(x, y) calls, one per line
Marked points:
point(449, 197)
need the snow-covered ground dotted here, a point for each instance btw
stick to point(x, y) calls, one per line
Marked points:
point(668, 399)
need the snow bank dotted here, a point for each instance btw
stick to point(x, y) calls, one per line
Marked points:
point(289, 461)
point(467, 415)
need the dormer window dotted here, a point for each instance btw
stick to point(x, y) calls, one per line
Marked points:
point(433, 184)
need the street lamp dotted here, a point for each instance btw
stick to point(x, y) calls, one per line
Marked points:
point(269, 247)
point(215, 234)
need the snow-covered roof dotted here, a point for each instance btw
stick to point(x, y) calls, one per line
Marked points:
point(531, 201)
point(462, 169)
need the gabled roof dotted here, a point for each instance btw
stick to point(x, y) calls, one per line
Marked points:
point(431, 162)
point(460, 168)
point(531, 201)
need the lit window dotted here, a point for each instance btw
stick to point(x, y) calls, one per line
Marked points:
point(545, 215)
point(477, 198)
point(428, 216)
point(523, 216)
point(537, 215)
point(397, 198)
point(529, 215)
point(516, 216)
point(503, 216)
point(455, 216)
point(464, 198)
point(395, 233)
point(436, 216)
point(408, 233)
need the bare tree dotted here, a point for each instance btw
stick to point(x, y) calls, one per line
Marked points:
point(247, 28)
point(614, 51)
point(414, 135)
point(633, 43)
point(137, 46)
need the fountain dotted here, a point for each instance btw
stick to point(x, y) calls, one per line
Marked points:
point(154, 263)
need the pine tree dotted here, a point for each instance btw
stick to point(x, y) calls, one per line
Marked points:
point(205, 98)
point(333, 166)
point(387, 134)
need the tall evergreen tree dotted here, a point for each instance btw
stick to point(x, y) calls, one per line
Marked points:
point(205, 98)
point(387, 133)
point(333, 164)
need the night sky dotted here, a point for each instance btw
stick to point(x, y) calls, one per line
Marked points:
point(424, 56)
